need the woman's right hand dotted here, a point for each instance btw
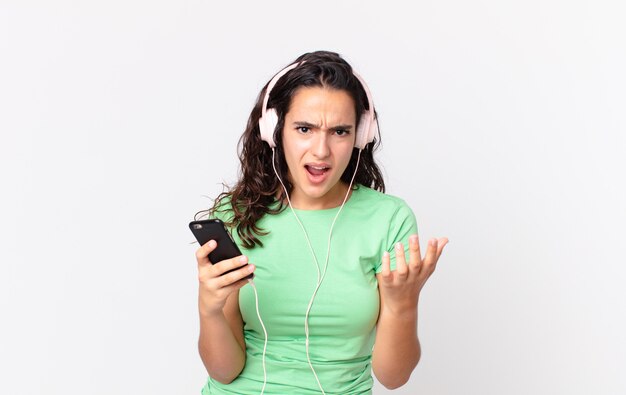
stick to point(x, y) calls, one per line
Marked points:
point(215, 286)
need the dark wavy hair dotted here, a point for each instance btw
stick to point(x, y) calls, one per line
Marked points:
point(258, 190)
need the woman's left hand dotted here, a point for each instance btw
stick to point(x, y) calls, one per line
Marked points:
point(400, 288)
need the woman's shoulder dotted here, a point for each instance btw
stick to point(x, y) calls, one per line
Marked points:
point(222, 209)
point(383, 211)
point(378, 200)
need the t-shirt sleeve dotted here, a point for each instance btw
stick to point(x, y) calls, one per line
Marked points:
point(223, 211)
point(401, 226)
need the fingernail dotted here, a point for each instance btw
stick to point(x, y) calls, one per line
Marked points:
point(212, 243)
point(413, 238)
point(386, 254)
point(251, 268)
point(243, 259)
point(398, 246)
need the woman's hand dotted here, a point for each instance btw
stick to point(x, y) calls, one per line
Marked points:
point(397, 349)
point(215, 286)
point(400, 288)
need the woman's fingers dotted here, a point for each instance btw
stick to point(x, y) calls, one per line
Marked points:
point(401, 268)
point(415, 258)
point(202, 253)
point(442, 243)
point(430, 260)
point(235, 286)
point(225, 272)
point(233, 277)
point(386, 272)
point(407, 278)
point(229, 264)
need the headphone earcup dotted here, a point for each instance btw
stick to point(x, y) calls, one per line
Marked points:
point(372, 131)
point(367, 130)
point(267, 125)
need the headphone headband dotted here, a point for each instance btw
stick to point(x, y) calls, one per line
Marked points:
point(365, 133)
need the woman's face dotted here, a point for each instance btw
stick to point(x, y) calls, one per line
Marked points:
point(318, 138)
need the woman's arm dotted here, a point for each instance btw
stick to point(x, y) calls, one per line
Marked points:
point(221, 343)
point(397, 348)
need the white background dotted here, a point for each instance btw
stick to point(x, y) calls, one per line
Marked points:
point(502, 125)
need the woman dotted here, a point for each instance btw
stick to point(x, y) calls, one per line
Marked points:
point(336, 262)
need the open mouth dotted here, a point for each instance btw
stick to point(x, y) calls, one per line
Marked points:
point(316, 171)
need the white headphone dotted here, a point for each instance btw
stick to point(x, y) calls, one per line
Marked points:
point(365, 133)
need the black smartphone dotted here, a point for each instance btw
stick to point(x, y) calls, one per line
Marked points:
point(214, 229)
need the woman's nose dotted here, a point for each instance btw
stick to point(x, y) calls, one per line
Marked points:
point(320, 148)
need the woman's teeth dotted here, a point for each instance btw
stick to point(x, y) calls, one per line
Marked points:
point(315, 170)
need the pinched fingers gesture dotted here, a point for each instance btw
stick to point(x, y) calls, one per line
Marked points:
point(400, 288)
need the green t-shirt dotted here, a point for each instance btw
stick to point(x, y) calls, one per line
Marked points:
point(343, 317)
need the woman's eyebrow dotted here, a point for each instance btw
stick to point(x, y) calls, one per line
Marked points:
point(305, 124)
point(313, 126)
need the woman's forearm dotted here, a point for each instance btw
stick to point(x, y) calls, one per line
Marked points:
point(397, 349)
point(221, 353)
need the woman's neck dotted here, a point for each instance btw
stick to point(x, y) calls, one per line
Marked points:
point(334, 198)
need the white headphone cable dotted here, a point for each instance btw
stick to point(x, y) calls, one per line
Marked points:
point(319, 279)
point(256, 298)
point(306, 318)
